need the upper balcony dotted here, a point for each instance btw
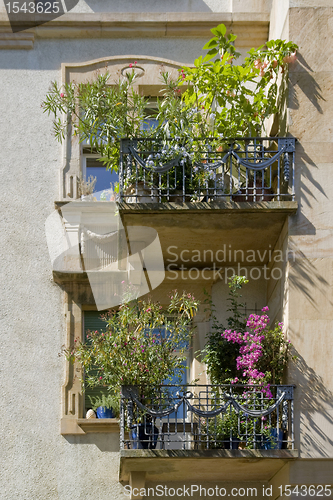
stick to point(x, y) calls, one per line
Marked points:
point(237, 192)
point(239, 170)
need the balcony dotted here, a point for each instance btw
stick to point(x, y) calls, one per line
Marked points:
point(239, 187)
point(201, 198)
point(229, 432)
point(249, 170)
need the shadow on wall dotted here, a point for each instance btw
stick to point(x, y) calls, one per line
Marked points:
point(304, 167)
point(305, 81)
point(104, 442)
point(304, 277)
point(312, 398)
point(144, 6)
point(302, 78)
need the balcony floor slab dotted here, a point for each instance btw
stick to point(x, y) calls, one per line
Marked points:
point(204, 465)
point(212, 228)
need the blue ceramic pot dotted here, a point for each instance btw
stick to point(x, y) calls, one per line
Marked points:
point(103, 412)
point(234, 444)
point(275, 442)
point(144, 437)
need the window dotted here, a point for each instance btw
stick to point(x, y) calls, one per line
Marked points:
point(92, 167)
point(150, 114)
point(92, 321)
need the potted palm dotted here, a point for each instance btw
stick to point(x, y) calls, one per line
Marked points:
point(105, 405)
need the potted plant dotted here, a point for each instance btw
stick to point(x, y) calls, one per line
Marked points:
point(223, 431)
point(105, 405)
point(222, 99)
point(248, 353)
point(143, 345)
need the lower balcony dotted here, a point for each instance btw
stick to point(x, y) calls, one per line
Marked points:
point(208, 433)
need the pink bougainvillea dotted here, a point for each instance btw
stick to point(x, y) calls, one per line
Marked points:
point(251, 349)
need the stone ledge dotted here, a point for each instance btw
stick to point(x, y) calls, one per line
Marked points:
point(80, 426)
point(16, 41)
point(217, 453)
point(99, 425)
point(252, 28)
point(216, 206)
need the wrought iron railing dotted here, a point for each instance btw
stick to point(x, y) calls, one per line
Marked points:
point(248, 169)
point(207, 417)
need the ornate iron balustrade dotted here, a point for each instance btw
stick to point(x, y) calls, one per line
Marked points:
point(241, 169)
point(207, 417)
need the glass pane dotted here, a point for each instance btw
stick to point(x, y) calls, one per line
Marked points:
point(104, 177)
point(93, 321)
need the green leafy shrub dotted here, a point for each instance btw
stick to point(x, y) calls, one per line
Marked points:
point(143, 345)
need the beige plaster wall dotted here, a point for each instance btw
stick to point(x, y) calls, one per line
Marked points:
point(277, 284)
point(36, 461)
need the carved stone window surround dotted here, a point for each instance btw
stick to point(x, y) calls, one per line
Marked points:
point(149, 83)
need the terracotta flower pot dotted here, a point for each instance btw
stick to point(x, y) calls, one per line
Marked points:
point(141, 193)
point(247, 194)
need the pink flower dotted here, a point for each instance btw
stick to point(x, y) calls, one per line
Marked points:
point(100, 378)
point(62, 94)
point(265, 309)
point(135, 62)
point(291, 58)
point(130, 65)
point(257, 63)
